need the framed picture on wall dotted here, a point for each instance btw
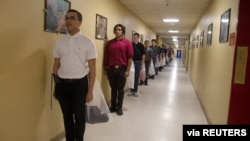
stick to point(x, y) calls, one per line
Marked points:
point(224, 26)
point(132, 37)
point(209, 34)
point(201, 38)
point(55, 11)
point(197, 41)
point(193, 42)
point(101, 27)
point(141, 39)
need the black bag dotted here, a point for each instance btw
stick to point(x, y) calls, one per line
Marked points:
point(94, 115)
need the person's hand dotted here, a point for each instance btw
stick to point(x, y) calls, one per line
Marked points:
point(105, 70)
point(54, 95)
point(89, 97)
point(142, 66)
point(126, 74)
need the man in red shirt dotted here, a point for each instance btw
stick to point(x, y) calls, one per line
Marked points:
point(118, 56)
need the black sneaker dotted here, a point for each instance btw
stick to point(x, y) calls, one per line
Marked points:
point(112, 110)
point(119, 112)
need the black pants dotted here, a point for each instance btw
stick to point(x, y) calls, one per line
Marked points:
point(72, 97)
point(147, 64)
point(137, 75)
point(117, 82)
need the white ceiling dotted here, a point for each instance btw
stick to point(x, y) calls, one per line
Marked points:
point(152, 12)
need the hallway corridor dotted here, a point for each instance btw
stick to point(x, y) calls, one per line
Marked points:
point(168, 102)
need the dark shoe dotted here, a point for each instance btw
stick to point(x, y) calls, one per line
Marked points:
point(119, 112)
point(112, 110)
point(141, 83)
point(146, 84)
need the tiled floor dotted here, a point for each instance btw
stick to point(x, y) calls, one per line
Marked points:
point(168, 102)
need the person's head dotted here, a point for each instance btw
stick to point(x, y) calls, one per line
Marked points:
point(146, 43)
point(153, 41)
point(119, 30)
point(136, 37)
point(73, 21)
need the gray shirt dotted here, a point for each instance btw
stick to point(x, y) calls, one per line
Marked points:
point(156, 50)
point(148, 54)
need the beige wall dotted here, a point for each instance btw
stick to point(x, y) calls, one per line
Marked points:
point(26, 64)
point(210, 67)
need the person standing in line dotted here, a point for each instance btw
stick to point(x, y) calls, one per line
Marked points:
point(75, 67)
point(165, 51)
point(155, 56)
point(161, 58)
point(138, 59)
point(118, 56)
point(148, 58)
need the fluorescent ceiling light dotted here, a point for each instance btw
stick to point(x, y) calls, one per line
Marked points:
point(171, 20)
point(173, 31)
point(175, 39)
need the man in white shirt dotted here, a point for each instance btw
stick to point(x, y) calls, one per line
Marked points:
point(75, 65)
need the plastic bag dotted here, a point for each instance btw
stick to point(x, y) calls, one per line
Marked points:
point(143, 73)
point(162, 62)
point(151, 70)
point(167, 60)
point(157, 63)
point(97, 110)
point(131, 77)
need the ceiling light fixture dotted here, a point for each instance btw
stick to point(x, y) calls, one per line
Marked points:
point(174, 39)
point(171, 20)
point(173, 31)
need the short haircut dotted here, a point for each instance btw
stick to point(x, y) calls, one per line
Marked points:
point(79, 15)
point(122, 26)
point(153, 40)
point(137, 34)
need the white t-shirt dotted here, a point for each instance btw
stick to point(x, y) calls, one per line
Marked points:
point(74, 52)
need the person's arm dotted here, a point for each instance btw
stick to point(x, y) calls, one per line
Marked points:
point(56, 66)
point(143, 59)
point(143, 56)
point(92, 77)
point(128, 67)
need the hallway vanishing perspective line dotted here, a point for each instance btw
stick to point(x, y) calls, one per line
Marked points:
point(163, 106)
